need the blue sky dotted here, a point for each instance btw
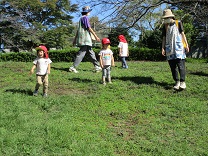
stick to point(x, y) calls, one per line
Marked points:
point(78, 14)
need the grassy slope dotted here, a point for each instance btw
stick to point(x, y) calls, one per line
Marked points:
point(139, 114)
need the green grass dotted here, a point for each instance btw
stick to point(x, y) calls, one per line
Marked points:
point(138, 115)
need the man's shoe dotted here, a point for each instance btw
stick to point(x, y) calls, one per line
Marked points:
point(72, 69)
point(98, 69)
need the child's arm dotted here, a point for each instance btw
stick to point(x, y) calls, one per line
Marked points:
point(32, 69)
point(49, 68)
point(120, 50)
point(101, 61)
point(112, 61)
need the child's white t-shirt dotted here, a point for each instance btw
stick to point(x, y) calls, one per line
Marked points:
point(106, 56)
point(42, 65)
point(124, 48)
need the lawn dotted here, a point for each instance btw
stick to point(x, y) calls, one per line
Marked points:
point(138, 115)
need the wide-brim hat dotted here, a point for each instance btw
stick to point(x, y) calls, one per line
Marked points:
point(86, 9)
point(167, 13)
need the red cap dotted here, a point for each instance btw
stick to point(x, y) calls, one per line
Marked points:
point(42, 47)
point(122, 38)
point(105, 41)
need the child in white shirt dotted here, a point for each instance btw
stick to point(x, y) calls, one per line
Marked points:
point(106, 60)
point(42, 65)
point(123, 50)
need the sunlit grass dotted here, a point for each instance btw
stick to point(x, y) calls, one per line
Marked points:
point(139, 114)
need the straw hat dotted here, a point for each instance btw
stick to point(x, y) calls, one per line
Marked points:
point(167, 13)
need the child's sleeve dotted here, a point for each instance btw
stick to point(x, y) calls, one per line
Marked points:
point(35, 61)
point(49, 61)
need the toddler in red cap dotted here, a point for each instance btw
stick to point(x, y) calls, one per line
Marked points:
point(106, 60)
point(42, 66)
point(123, 50)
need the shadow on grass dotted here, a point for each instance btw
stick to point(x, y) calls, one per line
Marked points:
point(144, 80)
point(61, 69)
point(21, 91)
point(199, 73)
point(67, 69)
point(81, 80)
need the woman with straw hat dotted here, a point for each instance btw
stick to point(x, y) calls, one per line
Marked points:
point(173, 48)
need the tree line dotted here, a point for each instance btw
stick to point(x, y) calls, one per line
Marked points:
point(25, 24)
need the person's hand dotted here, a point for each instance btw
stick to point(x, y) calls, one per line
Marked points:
point(163, 52)
point(97, 39)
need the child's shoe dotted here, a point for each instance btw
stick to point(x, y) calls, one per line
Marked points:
point(45, 95)
point(35, 93)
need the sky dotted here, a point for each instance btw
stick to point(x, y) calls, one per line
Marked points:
point(78, 14)
point(94, 13)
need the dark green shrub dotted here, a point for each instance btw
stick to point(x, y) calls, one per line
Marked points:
point(68, 55)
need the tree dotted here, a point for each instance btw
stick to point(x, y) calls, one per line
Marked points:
point(126, 13)
point(115, 32)
point(27, 22)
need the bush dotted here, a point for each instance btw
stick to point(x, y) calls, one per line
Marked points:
point(68, 55)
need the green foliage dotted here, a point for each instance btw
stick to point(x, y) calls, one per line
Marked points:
point(115, 32)
point(59, 37)
point(69, 55)
point(152, 39)
point(30, 23)
point(138, 115)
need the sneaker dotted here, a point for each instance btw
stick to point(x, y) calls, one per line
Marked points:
point(183, 85)
point(110, 82)
point(177, 85)
point(45, 95)
point(72, 69)
point(35, 93)
point(98, 69)
point(104, 83)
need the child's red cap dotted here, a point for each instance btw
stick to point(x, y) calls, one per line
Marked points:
point(42, 47)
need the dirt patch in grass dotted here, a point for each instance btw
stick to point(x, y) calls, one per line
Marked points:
point(67, 91)
point(124, 128)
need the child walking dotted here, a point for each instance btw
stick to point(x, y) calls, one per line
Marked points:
point(123, 50)
point(106, 60)
point(42, 65)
